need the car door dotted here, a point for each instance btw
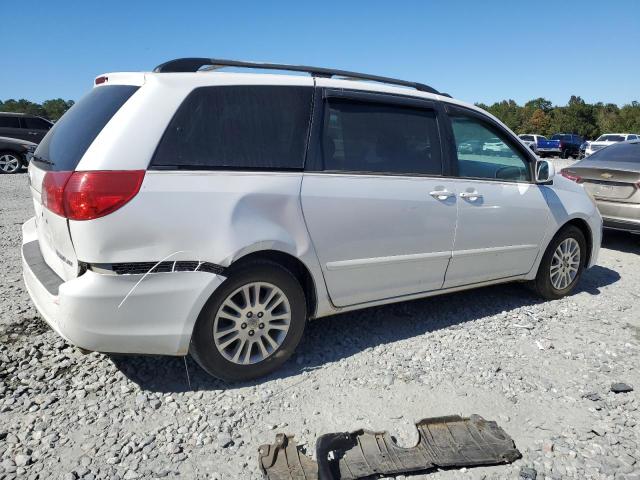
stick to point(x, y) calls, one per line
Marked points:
point(36, 128)
point(379, 211)
point(502, 213)
point(10, 127)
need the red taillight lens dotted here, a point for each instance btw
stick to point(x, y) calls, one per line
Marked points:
point(101, 80)
point(89, 195)
point(53, 191)
point(570, 175)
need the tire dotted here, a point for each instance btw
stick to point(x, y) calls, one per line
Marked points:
point(543, 283)
point(229, 301)
point(10, 162)
point(564, 154)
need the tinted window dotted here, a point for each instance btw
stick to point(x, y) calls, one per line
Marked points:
point(36, 123)
point(9, 122)
point(372, 137)
point(564, 138)
point(65, 144)
point(238, 127)
point(610, 138)
point(527, 138)
point(484, 152)
point(619, 152)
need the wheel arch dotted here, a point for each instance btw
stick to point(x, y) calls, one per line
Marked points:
point(584, 227)
point(292, 263)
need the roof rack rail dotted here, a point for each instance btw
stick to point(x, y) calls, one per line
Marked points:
point(195, 64)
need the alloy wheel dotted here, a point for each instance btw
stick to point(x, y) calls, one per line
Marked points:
point(9, 163)
point(252, 323)
point(565, 263)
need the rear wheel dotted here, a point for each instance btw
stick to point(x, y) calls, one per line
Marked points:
point(252, 323)
point(10, 162)
point(562, 264)
point(564, 154)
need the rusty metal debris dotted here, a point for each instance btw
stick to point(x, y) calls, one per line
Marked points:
point(285, 460)
point(447, 442)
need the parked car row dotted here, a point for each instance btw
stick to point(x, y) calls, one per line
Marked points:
point(606, 140)
point(20, 134)
point(566, 145)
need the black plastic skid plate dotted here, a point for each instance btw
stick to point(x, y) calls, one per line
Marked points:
point(285, 460)
point(444, 442)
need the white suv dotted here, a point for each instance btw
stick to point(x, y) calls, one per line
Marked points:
point(211, 213)
point(608, 139)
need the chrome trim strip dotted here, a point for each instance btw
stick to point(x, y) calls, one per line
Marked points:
point(484, 251)
point(367, 262)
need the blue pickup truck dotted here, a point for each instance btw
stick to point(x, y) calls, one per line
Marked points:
point(564, 145)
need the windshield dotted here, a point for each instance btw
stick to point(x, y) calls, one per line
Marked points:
point(70, 137)
point(610, 138)
point(620, 152)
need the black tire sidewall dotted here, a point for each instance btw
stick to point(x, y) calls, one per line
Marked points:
point(203, 347)
point(543, 279)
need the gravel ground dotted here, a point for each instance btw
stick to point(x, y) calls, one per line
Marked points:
point(543, 370)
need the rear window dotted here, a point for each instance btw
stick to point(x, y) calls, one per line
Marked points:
point(527, 138)
point(68, 140)
point(565, 138)
point(238, 127)
point(618, 152)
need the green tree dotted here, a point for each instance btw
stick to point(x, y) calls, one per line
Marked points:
point(56, 107)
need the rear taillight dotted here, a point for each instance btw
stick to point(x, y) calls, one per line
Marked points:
point(53, 191)
point(560, 144)
point(89, 195)
point(571, 175)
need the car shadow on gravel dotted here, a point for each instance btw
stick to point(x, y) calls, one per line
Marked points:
point(621, 241)
point(333, 338)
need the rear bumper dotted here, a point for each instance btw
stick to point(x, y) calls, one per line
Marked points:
point(620, 216)
point(91, 312)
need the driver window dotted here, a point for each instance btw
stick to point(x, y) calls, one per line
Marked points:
point(482, 153)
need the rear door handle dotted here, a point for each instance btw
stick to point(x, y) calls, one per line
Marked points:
point(472, 196)
point(441, 194)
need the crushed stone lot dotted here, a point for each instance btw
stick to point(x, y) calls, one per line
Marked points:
point(542, 369)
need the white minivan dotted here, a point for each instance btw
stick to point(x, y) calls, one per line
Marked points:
point(192, 211)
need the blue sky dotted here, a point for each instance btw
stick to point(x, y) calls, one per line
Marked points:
point(479, 51)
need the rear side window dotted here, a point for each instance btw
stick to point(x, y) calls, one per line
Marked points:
point(68, 140)
point(36, 123)
point(380, 138)
point(9, 122)
point(238, 127)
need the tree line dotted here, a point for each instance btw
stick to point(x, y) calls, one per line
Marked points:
point(536, 116)
point(589, 120)
point(49, 109)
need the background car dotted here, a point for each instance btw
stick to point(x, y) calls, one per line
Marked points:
point(531, 140)
point(24, 126)
point(608, 139)
point(14, 154)
point(564, 145)
point(612, 177)
point(496, 145)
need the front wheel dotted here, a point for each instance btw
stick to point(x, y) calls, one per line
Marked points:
point(562, 264)
point(251, 324)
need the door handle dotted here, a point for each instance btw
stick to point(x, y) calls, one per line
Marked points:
point(471, 196)
point(441, 194)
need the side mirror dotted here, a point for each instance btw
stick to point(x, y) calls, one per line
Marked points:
point(545, 171)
